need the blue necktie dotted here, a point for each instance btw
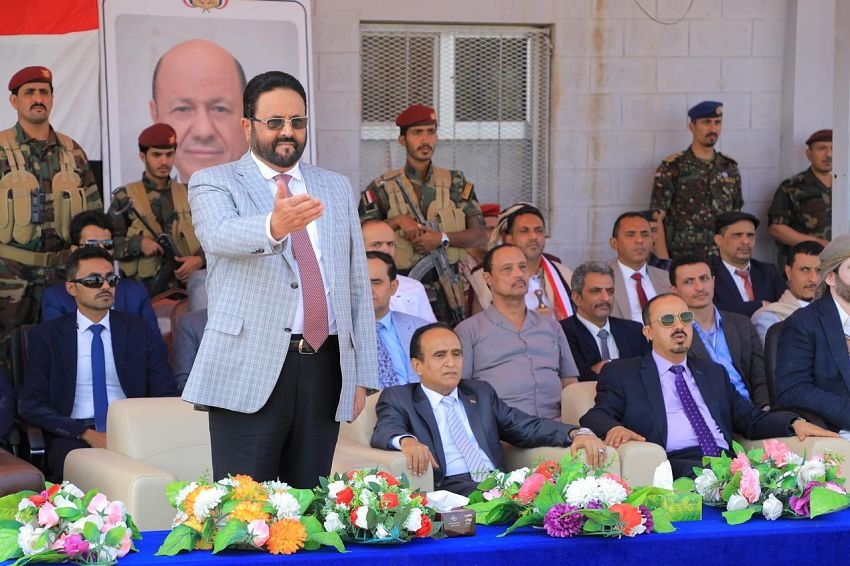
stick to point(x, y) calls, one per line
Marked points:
point(386, 372)
point(98, 378)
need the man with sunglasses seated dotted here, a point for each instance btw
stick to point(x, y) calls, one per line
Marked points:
point(79, 363)
point(678, 401)
point(93, 228)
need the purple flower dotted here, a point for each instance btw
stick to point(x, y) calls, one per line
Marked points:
point(563, 521)
point(799, 504)
point(595, 504)
point(75, 545)
point(647, 515)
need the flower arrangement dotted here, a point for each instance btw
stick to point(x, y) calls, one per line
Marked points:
point(62, 524)
point(773, 481)
point(566, 499)
point(238, 512)
point(370, 506)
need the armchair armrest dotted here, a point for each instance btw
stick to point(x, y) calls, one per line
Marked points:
point(638, 461)
point(349, 455)
point(516, 457)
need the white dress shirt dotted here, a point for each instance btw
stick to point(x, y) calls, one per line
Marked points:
point(594, 331)
point(411, 298)
point(297, 187)
point(739, 281)
point(636, 313)
point(83, 392)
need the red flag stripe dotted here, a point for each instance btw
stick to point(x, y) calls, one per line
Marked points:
point(47, 17)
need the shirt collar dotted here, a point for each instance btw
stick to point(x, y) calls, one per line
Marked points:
point(628, 271)
point(718, 321)
point(664, 365)
point(387, 320)
point(83, 322)
point(434, 398)
point(732, 269)
point(592, 327)
point(268, 173)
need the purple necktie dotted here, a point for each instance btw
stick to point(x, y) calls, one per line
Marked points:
point(706, 440)
point(312, 286)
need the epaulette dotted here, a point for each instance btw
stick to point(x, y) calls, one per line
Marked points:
point(673, 157)
point(727, 158)
point(390, 176)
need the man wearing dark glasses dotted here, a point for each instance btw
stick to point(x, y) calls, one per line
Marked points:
point(93, 229)
point(680, 402)
point(79, 363)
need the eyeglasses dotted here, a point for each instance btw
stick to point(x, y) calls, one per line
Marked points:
point(96, 281)
point(105, 244)
point(274, 124)
point(667, 320)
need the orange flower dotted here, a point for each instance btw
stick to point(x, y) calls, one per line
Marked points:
point(629, 515)
point(248, 489)
point(286, 536)
point(248, 511)
point(193, 523)
point(189, 502)
point(548, 468)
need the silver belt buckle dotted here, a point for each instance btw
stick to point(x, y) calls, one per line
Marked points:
point(301, 344)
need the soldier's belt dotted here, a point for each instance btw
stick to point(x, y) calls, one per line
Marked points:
point(33, 259)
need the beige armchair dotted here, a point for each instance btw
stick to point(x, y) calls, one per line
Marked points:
point(638, 460)
point(150, 443)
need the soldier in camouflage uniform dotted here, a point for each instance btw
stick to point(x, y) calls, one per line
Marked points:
point(802, 206)
point(45, 180)
point(164, 204)
point(693, 186)
point(442, 196)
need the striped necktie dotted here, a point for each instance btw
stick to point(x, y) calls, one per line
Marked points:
point(476, 461)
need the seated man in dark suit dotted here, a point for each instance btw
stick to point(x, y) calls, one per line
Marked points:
point(468, 418)
point(684, 404)
point(596, 338)
point(93, 228)
point(727, 338)
point(812, 365)
point(77, 364)
point(743, 284)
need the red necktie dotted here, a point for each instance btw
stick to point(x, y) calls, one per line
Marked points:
point(312, 286)
point(640, 292)
point(748, 287)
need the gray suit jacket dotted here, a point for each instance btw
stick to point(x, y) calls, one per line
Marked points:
point(659, 278)
point(253, 287)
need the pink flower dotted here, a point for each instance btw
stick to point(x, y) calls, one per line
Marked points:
point(834, 487)
point(531, 487)
point(126, 543)
point(115, 512)
point(72, 545)
point(775, 450)
point(750, 486)
point(47, 516)
point(97, 504)
point(492, 494)
point(741, 462)
point(259, 532)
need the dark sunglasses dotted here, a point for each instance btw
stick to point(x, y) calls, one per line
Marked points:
point(105, 244)
point(96, 281)
point(667, 320)
point(274, 124)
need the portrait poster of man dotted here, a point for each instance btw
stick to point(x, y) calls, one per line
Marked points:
point(185, 63)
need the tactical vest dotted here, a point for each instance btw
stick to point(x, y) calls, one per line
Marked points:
point(182, 231)
point(24, 208)
point(449, 216)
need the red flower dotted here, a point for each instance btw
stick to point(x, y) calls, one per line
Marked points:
point(421, 497)
point(426, 527)
point(350, 474)
point(548, 469)
point(44, 496)
point(389, 500)
point(345, 496)
point(389, 478)
point(629, 515)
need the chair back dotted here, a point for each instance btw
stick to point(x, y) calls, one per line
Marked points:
point(771, 347)
point(360, 429)
point(18, 355)
point(576, 400)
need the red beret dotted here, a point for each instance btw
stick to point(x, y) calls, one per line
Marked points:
point(416, 114)
point(820, 136)
point(30, 75)
point(490, 209)
point(158, 135)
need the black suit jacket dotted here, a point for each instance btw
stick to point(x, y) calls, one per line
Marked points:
point(627, 334)
point(405, 410)
point(767, 284)
point(812, 364)
point(47, 395)
point(628, 393)
point(747, 354)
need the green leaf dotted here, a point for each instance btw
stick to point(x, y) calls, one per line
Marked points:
point(487, 484)
point(547, 497)
point(524, 521)
point(68, 513)
point(737, 447)
point(46, 557)
point(311, 524)
point(114, 536)
point(9, 544)
point(305, 498)
point(9, 503)
point(179, 539)
point(741, 515)
point(756, 454)
point(823, 500)
point(732, 487)
point(91, 533)
point(328, 539)
point(601, 516)
point(483, 509)
point(661, 522)
point(88, 497)
point(233, 532)
point(503, 514)
point(172, 490)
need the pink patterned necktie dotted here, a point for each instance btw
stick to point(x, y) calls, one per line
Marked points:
point(312, 286)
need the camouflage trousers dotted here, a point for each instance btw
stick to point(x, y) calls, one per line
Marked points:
point(21, 288)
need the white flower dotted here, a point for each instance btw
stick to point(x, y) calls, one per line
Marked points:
point(183, 493)
point(360, 517)
point(333, 522)
point(707, 486)
point(335, 487)
point(286, 506)
point(381, 532)
point(771, 508)
point(206, 501)
point(609, 492)
point(61, 501)
point(372, 478)
point(810, 471)
point(517, 476)
point(179, 519)
point(228, 482)
point(367, 497)
point(793, 458)
point(274, 485)
point(28, 539)
point(580, 492)
point(736, 502)
point(25, 502)
point(414, 520)
point(71, 489)
point(584, 490)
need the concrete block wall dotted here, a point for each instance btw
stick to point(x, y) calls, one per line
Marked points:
point(621, 87)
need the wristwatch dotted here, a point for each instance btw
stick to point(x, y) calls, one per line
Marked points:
point(581, 431)
point(444, 239)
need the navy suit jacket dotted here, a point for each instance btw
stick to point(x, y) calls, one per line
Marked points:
point(405, 410)
point(812, 364)
point(130, 297)
point(627, 334)
point(7, 406)
point(767, 284)
point(628, 393)
point(47, 395)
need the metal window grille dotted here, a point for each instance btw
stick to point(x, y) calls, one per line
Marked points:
point(490, 87)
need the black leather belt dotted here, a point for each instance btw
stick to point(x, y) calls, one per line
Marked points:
point(298, 344)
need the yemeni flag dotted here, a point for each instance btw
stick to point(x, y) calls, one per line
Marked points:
point(62, 36)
